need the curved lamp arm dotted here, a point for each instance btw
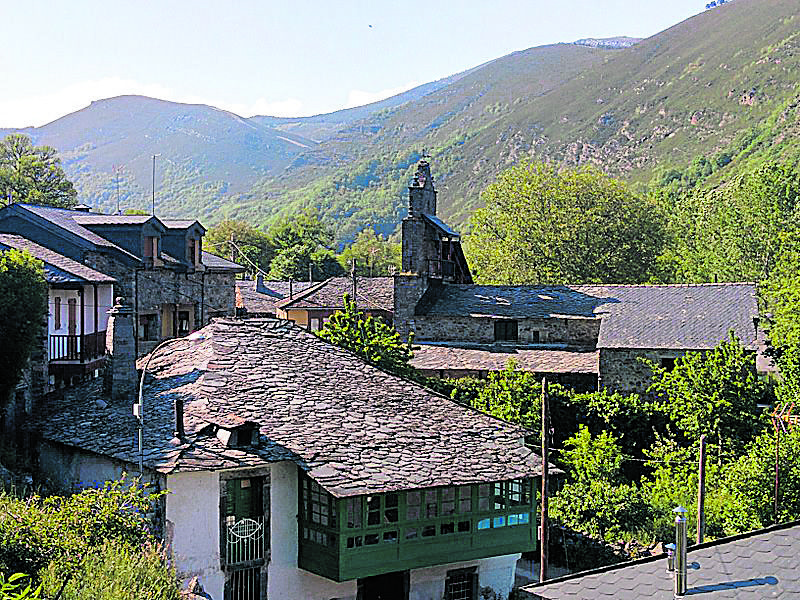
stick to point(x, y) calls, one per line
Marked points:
point(138, 408)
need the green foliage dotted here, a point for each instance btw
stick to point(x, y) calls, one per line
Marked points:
point(32, 174)
point(540, 225)
point(117, 571)
point(748, 485)
point(303, 244)
point(595, 499)
point(251, 247)
point(23, 306)
point(11, 588)
point(781, 294)
point(135, 212)
point(374, 255)
point(736, 232)
point(715, 393)
point(37, 531)
point(370, 338)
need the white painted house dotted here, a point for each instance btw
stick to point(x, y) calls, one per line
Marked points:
point(298, 471)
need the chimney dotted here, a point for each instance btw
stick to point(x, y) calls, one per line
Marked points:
point(260, 283)
point(121, 377)
point(180, 431)
point(680, 560)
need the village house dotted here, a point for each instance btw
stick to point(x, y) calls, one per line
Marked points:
point(585, 336)
point(297, 470)
point(312, 304)
point(73, 341)
point(159, 264)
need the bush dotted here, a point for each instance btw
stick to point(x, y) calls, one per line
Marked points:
point(116, 571)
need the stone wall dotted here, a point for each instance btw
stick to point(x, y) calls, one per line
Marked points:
point(623, 369)
point(571, 332)
point(408, 289)
point(220, 294)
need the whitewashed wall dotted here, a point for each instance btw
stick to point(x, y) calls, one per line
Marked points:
point(193, 528)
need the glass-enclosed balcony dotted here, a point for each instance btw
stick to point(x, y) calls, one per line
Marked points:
point(362, 536)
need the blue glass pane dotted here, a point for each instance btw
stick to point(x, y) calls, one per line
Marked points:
point(499, 522)
point(484, 524)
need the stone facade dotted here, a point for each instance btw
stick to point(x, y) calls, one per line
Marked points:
point(581, 333)
point(625, 370)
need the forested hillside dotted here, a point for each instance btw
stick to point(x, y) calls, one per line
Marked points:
point(696, 104)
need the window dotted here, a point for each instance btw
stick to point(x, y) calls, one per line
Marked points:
point(535, 336)
point(505, 331)
point(151, 247)
point(461, 584)
point(57, 312)
point(183, 323)
point(72, 316)
point(191, 251)
point(148, 327)
point(668, 363)
point(318, 512)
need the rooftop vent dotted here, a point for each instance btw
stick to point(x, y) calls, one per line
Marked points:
point(82, 208)
point(235, 432)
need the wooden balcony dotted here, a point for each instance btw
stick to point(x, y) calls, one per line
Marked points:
point(76, 355)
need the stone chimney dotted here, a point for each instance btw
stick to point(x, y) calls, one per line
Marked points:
point(121, 377)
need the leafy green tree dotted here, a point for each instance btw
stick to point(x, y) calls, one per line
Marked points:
point(748, 485)
point(303, 243)
point(374, 255)
point(368, 337)
point(541, 225)
point(251, 247)
point(32, 174)
point(11, 588)
point(596, 498)
point(715, 393)
point(23, 306)
point(735, 232)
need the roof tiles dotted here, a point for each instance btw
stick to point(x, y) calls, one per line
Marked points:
point(355, 428)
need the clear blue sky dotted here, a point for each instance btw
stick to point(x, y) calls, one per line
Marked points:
point(279, 57)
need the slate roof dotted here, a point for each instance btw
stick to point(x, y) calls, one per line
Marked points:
point(261, 298)
point(752, 566)
point(65, 219)
point(57, 268)
point(632, 316)
point(355, 428)
point(217, 263)
point(376, 293)
point(180, 223)
point(463, 357)
point(441, 225)
point(101, 219)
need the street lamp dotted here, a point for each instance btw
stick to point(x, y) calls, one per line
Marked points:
point(138, 411)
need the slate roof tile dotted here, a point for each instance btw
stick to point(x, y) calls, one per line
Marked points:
point(372, 293)
point(686, 317)
point(217, 263)
point(760, 564)
point(436, 357)
point(57, 267)
point(355, 428)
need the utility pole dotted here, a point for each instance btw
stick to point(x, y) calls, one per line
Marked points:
point(310, 265)
point(355, 285)
point(544, 535)
point(777, 472)
point(701, 492)
point(154, 184)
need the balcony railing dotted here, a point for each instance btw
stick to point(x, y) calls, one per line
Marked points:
point(78, 347)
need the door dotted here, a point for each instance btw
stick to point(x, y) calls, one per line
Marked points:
point(245, 534)
point(389, 586)
point(72, 329)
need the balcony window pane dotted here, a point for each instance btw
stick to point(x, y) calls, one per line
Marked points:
point(413, 501)
point(463, 526)
point(447, 528)
point(484, 524)
point(499, 522)
point(429, 531)
point(448, 501)
point(371, 539)
point(389, 537)
point(390, 515)
point(411, 533)
point(431, 506)
point(373, 510)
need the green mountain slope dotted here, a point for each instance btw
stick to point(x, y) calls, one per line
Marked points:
point(205, 154)
point(709, 85)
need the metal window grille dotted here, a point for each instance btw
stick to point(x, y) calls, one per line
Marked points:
point(461, 584)
point(245, 584)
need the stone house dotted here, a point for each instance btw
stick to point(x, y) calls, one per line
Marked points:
point(585, 336)
point(73, 341)
point(159, 264)
point(297, 470)
point(310, 305)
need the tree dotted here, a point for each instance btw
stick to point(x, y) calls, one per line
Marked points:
point(370, 338)
point(303, 243)
point(251, 247)
point(715, 393)
point(23, 306)
point(374, 254)
point(32, 174)
point(541, 225)
point(736, 232)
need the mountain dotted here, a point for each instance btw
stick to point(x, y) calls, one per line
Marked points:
point(715, 93)
point(722, 85)
point(204, 154)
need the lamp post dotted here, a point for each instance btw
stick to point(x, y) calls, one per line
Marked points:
point(138, 407)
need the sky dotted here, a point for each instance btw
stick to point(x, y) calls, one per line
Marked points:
point(278, 57)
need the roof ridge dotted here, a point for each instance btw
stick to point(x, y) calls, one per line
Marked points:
point(661, 556)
